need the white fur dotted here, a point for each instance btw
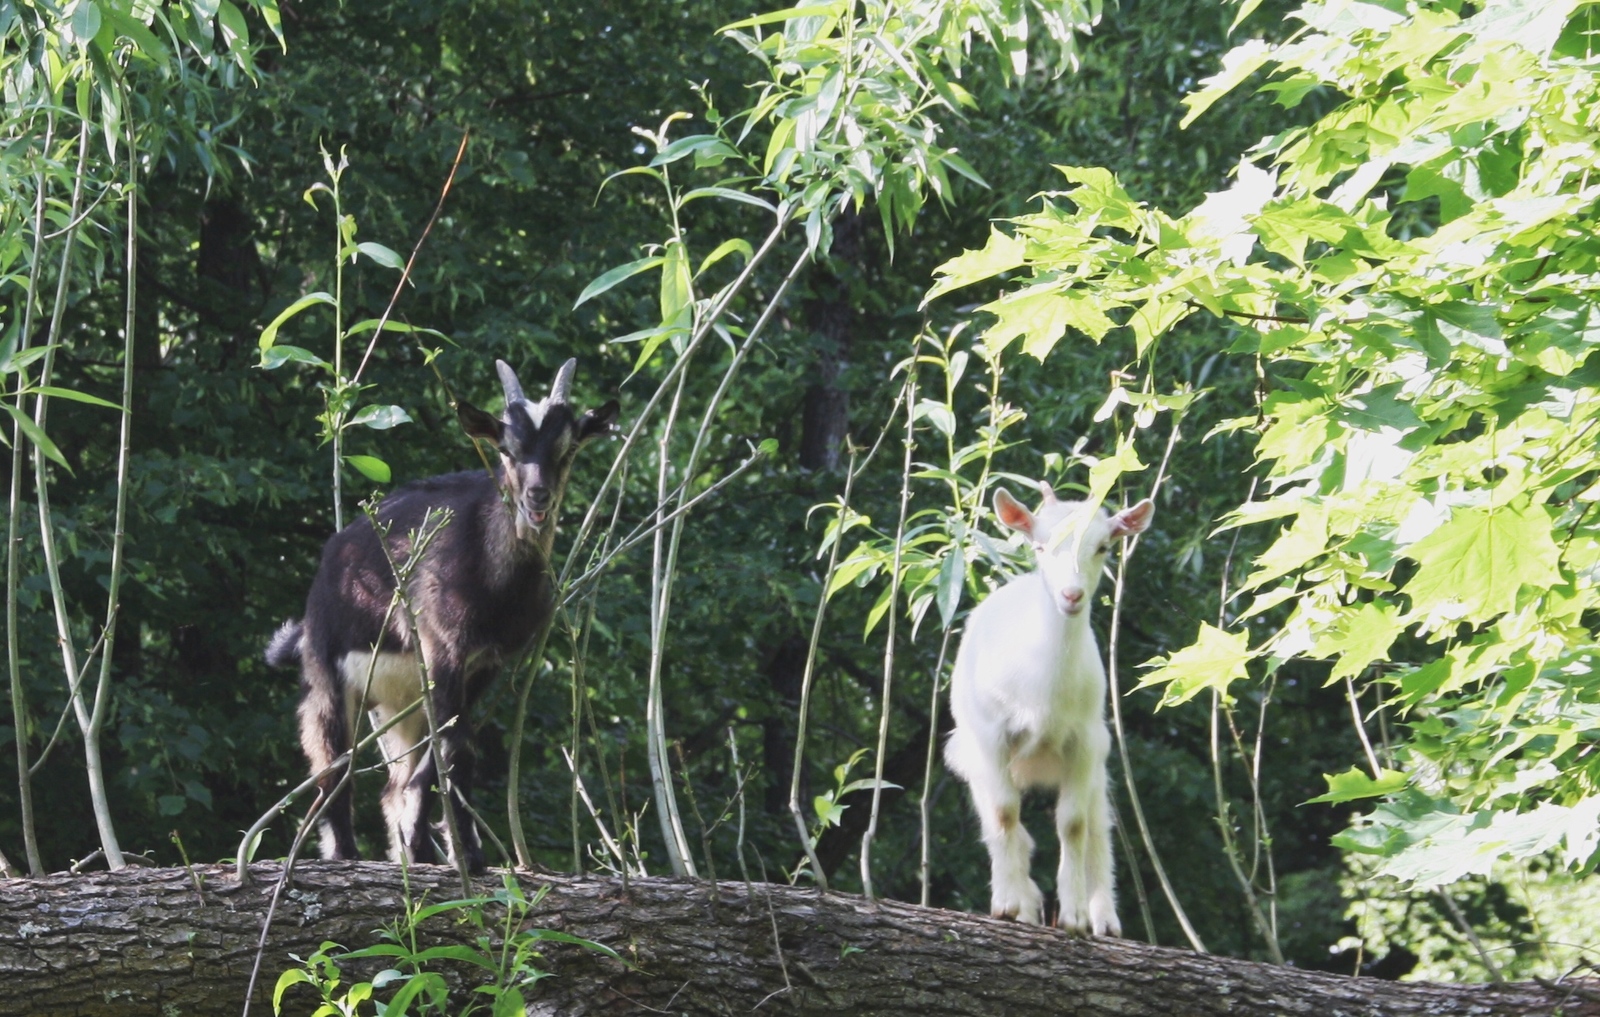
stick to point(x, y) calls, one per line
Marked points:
point(1028, 695)
point(396, 683)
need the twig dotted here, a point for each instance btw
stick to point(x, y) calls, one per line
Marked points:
point(610, 842)
point(405, 273)
point(925, 866)
point(888, 643)
point(318, 806)
point(19, 702)
point(1131, 544)
point(199, 883)
point(1472, 935)
point(242, 862)
point(1361, 728)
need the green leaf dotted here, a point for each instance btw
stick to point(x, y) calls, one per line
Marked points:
point(37, 436)
point(724, 249)
point(369, 324)
point(371, 467)
point(234, 30)
point(615, 276)
point(701, 146)
point(1002, 253)
point(270, 333)
point(1362, 636)
point(787, 14)
point(729, 194)
point(85, 21)
point(277, 356)
point(381, 254)
point(380, 418)
point(430, 982)
point(67, 393)
point(1472, 567)
point(951, 583)
point(936, 413)
point(1214, 660)
point(676, 287)
point(1237, 64)
point(1354, 784)
point(293, 976)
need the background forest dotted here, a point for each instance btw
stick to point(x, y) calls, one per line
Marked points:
point(1357, 362)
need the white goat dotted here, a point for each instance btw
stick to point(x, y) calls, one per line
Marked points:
point(1029, 695)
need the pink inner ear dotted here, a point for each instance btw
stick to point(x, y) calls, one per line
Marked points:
point(1134, 519)
point(1013, 514)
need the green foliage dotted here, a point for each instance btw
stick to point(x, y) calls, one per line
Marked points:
point(1409, 273)
point(498, 971)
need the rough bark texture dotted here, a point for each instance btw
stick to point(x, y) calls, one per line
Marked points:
point(145, 942)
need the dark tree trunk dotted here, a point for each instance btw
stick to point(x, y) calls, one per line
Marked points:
point(785, 669)
point(830, 312)
point(145, 942)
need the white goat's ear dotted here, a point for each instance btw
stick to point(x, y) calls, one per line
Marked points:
point(1013, 513)
point(1133, 519)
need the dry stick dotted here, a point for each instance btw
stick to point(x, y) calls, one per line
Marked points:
point(1261, 849)
point(618, 464)
point(19, 706)
point(66, 708)
point(242, 860)
point(90, 720)
point(694, 806)
point(588, 707)
point(925, 866)
point(1361, 728)
point(610, 842)
point(1230, 847)
point(888, 643)
point(102, 693)
point(1130, 544)
point(419, 541)
point(1138, 877)
point(1472, 936)
point(668, 571)
point(366, 697)
point(806, 840)
point(312, 816)
point(580, 655)
point(583, 585)
point(677, 842)
point(852, 471)
point(700, 333)
point(405, 273)
point(738, 793)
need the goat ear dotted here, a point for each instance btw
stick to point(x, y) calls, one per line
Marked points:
point(597, 423)
point(1012, 512)
point(1133, 519)
point(479, 424)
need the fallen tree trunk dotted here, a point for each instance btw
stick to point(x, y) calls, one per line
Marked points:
point(147, 942)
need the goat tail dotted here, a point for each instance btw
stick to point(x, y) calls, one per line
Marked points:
point(284, 649)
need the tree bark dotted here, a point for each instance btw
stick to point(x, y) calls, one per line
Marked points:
point(146, 942)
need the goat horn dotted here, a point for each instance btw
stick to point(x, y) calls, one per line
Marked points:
point(563, 383)
point(508, 380)
point(1048, 492)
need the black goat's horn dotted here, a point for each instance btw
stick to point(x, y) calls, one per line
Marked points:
point(508, 380)
point(560, 388)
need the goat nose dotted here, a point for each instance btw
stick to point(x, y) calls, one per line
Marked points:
point(1072, 596)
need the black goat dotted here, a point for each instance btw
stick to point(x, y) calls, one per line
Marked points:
point(480, 592)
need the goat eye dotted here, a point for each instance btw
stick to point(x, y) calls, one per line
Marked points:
point(1104, 548)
